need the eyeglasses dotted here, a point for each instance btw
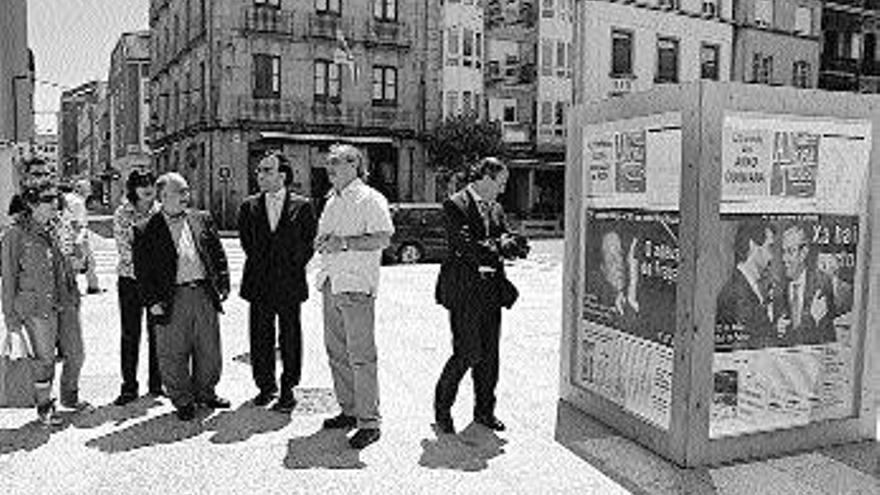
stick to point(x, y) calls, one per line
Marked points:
point(48, 198)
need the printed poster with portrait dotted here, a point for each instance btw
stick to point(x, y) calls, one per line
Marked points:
point(784, 331)
point(624, 347)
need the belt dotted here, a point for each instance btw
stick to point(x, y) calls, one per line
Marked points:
point(192, 284)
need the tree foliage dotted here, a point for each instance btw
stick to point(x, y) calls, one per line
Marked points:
point(461, 140)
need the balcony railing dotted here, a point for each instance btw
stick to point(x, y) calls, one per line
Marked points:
point(297, 112)
point(268, 20)
point(871, 68)
point(516, 134)
point(326, 25)
point(620, 85)
point(847, 65)
point(381, 32)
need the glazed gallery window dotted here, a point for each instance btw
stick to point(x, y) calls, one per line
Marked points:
point(667, 60)
point(328, 84)
point(329, 6)
point(709, 57)
point(621, 53)
point(384, 86)
point(267, 76)
point(385, 10)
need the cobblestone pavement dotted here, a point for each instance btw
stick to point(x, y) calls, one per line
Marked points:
point(548, 448)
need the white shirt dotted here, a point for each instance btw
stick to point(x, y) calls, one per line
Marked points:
point(274, 205)
point(76, 205)
point(800, 284)
point(356, 210)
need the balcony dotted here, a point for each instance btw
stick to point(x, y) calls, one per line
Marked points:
point(388, 118)
point(299, 113)
point(516, 134)
point(380, 32)
point(871, 68)
point(326, 25)
point(270, 110)
point(620, 85)
point(267, 21)
point(841, 65)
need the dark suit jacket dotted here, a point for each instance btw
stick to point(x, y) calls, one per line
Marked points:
point(469, 247)
point(275, 268)
point(155, 259)
point(810, 331)
point(740, 313)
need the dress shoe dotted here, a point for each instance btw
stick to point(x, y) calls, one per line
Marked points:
point(46, 414)
point(157, 393)
point(125, 398)
point(340, 422)
point(186, 413)
point(215, 403)
point(363, 437)
point(263, 399)
point(491, 422)
point(285, 404)
point(444, 424)
point(79, 406)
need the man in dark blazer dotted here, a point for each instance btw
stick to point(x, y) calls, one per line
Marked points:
point(277, 230)
point(744, 317)
point(471, 286)
point(184, 278)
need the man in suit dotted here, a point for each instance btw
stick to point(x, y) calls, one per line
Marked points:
point(807, 298)
point(277, 229)
point(180, 264)
point(744, 316)
point(469, 286)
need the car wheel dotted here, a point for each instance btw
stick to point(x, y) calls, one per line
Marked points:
point(409, 253)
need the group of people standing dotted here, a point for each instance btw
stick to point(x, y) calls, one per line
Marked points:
point(173, 270)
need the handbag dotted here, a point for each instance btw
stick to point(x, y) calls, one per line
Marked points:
point(507, 293)
point(16, 372)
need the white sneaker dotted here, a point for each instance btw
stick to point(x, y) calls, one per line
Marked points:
point(46, 414)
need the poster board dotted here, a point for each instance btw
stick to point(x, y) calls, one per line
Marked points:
point(729, 379)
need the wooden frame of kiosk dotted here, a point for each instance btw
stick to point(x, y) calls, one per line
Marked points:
point(719, 266)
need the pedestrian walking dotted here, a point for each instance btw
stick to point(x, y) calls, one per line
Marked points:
point(138, 207)
point(184, 278)
point(473, 286)
point(36, 287)
point(353, 229)
point(277, 230)
point(76, 215)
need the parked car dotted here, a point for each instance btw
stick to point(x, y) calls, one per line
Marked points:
point(419, 234)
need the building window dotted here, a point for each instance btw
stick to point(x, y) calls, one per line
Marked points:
point(669, 4)
point(328, 84)
point(453, 42)
point(560, 54)
point(801, 74)
point(478, 49)
point(762, 69)
point(203, 86)
point(621, 53)
point(667, 60)
point(267, 76)
point(328, 6)
point(710, 8)
point(559, 117)
point(509, 115)
point(384, 86)
point(546, 113)
point(546, 57)
point(451, 103)
point(385, 10)
point(268, 3)
point(803, 20)
point(466, 102)
point(764, 13)
point(547, 9)
point(709, 61)
point(467, 47)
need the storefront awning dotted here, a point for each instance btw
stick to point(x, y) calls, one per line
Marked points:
point(325, 138)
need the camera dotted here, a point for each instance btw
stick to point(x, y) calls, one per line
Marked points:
point(513, 246)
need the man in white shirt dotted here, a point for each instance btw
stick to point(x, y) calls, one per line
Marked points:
point(77, 214)
point(353, 229)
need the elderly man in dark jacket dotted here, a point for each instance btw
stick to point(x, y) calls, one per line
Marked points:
point(180, 263)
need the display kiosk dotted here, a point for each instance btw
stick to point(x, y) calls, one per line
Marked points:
point(721, 269)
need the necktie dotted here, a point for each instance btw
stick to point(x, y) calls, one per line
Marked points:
point(274, 213)
point(796, 303)
point(484, 208)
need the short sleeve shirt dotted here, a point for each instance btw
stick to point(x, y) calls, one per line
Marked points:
point(356, 210)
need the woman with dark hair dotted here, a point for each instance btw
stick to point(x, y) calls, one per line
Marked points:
point(36, 284)
point(140, 204)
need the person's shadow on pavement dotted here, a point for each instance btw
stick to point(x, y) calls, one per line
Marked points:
point(163, 429)
point(469, 450)
point(322, 449)
point(243, 423)
point(116, 414)
point(28, 437)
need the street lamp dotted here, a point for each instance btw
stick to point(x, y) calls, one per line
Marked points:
point(15, 106)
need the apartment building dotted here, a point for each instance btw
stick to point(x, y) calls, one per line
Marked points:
point(128, 111)
point(633, 46)
point(16, 74)
point(232, 79)
point(776, 42)
point(850, 57)
point(78, 124)
point(462, 48)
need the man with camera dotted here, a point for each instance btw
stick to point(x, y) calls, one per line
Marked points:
point(472, 285)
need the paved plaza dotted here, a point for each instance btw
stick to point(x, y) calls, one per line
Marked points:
point(549, 447)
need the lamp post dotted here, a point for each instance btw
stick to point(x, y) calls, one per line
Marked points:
point(15, 106)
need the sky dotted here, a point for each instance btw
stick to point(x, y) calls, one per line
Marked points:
point(72, 41)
